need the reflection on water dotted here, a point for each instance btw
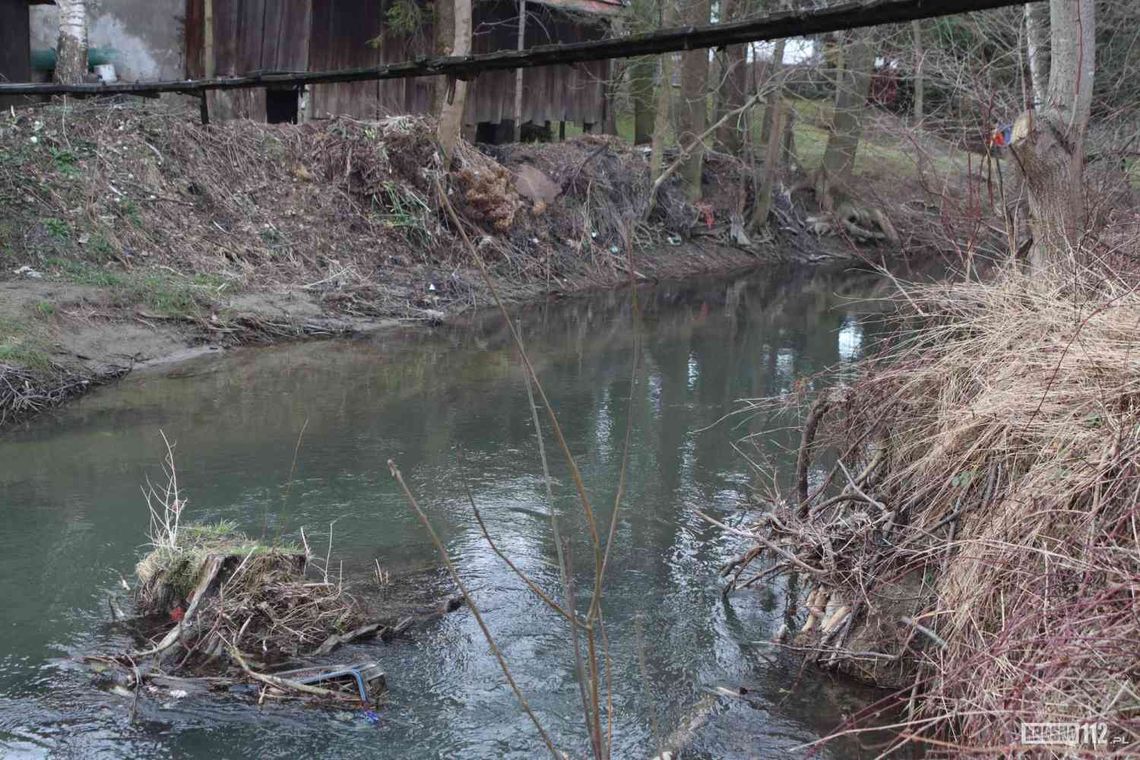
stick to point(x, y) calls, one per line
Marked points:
point(74, 519)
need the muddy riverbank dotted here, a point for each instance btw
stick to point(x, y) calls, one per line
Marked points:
point(133, 235)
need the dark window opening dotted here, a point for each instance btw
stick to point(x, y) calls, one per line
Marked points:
point(281, 106)
point(504, 132)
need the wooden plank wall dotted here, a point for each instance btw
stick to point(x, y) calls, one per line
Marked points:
point(194, 29)
point(15, 46)
point(249, 35)
point(550, 93)
point(325, 35)
point(349, 34)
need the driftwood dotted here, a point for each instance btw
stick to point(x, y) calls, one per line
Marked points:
point(803, 458)
point(388, 632)
point(129, 675)
point(178, 633)
point(24, 392)
point(282, 684)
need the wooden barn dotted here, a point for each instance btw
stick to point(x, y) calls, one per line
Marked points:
point(15, 44)
point(246, 36)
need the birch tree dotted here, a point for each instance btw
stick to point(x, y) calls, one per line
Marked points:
point(71, 50)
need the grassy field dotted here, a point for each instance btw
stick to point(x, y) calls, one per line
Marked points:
point(879, 151)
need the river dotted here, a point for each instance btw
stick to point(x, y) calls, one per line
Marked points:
point(450, 407)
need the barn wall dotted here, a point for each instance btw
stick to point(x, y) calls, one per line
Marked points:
point(15, 42)
point(348, 34)
point(249, 35)
point(326, 35)
point(550, 93)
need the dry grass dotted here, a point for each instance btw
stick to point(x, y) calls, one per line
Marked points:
point(344, 209)
point(244, 232)
point(226, 592)
point(239, 593)
point(978, 540)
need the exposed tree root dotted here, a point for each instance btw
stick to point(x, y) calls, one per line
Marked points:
point(841, 213)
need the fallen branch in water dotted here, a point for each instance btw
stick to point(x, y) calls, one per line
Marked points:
point(446, 558)
point(384, 631)
point(25, 392)
point(282, 684)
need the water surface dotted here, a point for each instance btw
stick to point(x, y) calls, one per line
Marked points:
point(449, 405)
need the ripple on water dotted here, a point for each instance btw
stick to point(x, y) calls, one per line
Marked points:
point(74, 519)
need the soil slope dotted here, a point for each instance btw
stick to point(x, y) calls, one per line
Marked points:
point(130, 233)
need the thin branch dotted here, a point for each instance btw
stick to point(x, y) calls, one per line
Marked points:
point(446, 557)
point(530, 584)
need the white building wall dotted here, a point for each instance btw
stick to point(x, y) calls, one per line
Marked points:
point(145, 36)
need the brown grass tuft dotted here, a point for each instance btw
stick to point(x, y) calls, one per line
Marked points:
point(978, 540)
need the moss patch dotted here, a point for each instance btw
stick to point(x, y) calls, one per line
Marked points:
point(163, 292)
point(169, 574)
point(23, 346)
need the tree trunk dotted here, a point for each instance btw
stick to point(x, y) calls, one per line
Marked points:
point(694, 109)
point(451, 117)
point(664, 98)
point(444, 32)
point(641, 75)
point(853, 84)
point(521, 45)
point(774, 122)
point(733, 93)
point(919, 80)
point(209, 58)
point(837, 62)
point(1037, 49)
point(733, 85)
point(1049, 142)
point(610, 89)
point(71, 53)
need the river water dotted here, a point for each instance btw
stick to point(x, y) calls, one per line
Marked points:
point(73, 519)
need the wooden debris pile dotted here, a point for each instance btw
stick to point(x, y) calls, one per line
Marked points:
point(218, 611)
